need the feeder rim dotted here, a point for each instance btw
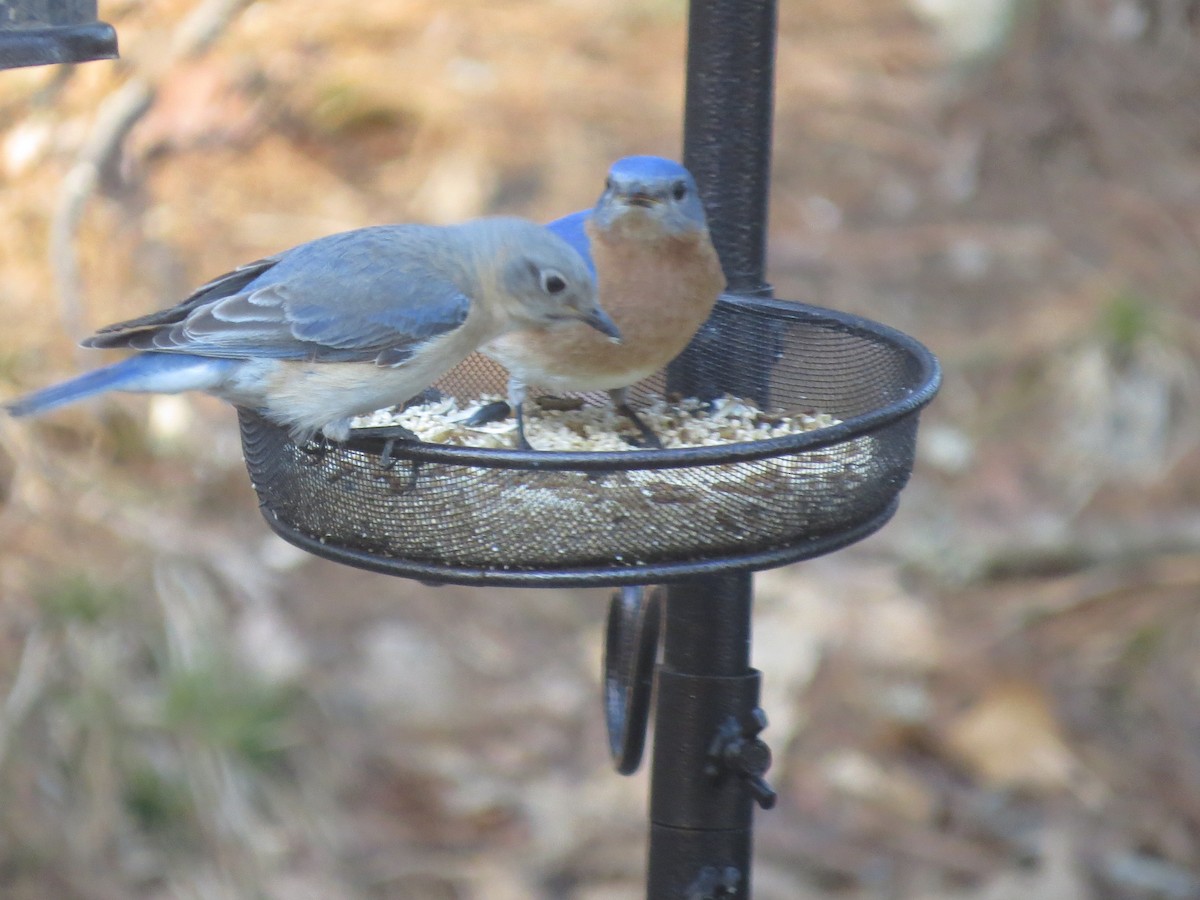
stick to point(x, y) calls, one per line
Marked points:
point(929, 379)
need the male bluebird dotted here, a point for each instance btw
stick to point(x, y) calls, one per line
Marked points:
point(348, 323)
point(647, 240)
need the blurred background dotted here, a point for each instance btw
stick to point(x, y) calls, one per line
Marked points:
point(995, 697)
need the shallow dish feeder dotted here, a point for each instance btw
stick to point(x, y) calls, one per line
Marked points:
point(510, 517)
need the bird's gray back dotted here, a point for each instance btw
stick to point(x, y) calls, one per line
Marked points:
point(372, 293)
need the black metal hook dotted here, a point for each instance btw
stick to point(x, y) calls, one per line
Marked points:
point(630, 651)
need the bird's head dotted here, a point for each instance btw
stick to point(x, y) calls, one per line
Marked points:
point(648, 196)
point(553, 285)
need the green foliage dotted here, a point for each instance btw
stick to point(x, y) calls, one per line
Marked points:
point(345, 107)
point(77, 598)
point(226, 708)
point(1127, 319)
point(155, 802)
point(144, 723)
point(1143, 646)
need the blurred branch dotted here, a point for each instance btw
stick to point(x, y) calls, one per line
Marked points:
point(27, 686)
point(115, 119)
point(1117, 544)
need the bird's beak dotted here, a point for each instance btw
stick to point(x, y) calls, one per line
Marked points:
point(602, 322)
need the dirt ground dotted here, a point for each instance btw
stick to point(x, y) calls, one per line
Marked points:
point(995, 697)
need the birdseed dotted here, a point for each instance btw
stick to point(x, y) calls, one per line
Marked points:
point(594, 428)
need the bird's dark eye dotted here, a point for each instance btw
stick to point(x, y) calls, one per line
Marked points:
point(679, 191)
point(553, 282)
point(608, 184)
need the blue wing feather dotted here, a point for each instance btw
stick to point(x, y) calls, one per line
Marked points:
point(370, 294)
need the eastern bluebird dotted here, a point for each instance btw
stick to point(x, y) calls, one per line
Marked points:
point(658, 275)
point(348, 323)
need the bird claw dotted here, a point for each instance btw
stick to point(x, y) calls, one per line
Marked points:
point(648, 440)
point(391, 435)
point(497, 412)
point(316, 449)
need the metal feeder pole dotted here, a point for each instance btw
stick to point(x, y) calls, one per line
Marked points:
point(708, 761)
point(727, 129)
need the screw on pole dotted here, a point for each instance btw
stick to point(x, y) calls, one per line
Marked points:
point(737, 750)
point(715, 883)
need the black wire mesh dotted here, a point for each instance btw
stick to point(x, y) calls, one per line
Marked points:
point(511, 517)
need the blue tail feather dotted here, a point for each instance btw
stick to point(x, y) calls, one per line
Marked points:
point(146, 372)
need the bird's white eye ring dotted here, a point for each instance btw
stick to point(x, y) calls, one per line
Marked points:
point(553, 282)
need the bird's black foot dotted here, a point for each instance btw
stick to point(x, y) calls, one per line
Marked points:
point(649, 440)
point(316, 448)
point(498, 412)
point(390, 435)
point(486, 415)
point(522, 441)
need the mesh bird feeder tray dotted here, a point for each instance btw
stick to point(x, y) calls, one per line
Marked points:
point(510, 517)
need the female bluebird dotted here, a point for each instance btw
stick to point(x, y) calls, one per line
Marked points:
point(348, 323)
point(658, 275)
